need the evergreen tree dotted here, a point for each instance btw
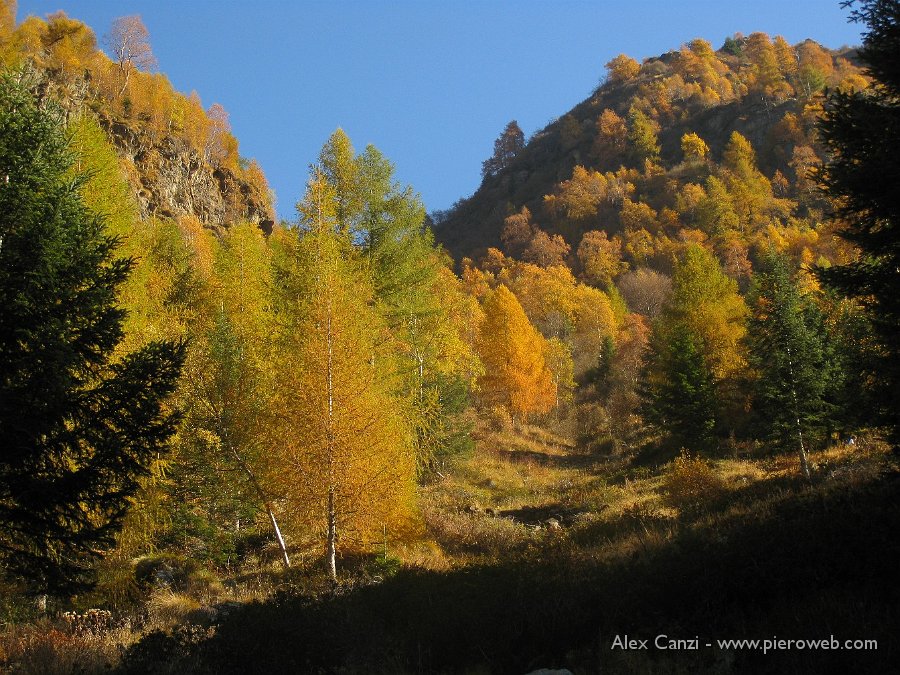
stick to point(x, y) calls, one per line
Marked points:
point(77, 428)
point(681, 399)
point(507, 146)
point(788, 350)
point(862, 132)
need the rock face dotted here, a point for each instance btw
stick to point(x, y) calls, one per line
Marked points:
point(171, 179)
point(169, 176)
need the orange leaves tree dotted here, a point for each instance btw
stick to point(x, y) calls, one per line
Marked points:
point(516, 375)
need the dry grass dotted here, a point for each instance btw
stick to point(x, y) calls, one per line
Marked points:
point(490, 508)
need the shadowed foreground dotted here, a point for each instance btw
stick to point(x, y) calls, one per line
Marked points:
point(794, 563)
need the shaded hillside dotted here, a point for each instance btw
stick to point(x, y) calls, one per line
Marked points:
point(767, 91)
point(180, 160)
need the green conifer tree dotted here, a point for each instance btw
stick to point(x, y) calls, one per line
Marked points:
point(682, 401)
point(862, 132)
point(77, 428)
point(789, 353)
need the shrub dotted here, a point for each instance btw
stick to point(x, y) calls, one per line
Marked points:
point(499, 418)
point(690, 482)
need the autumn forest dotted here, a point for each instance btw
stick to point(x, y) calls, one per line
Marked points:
point(643, 382)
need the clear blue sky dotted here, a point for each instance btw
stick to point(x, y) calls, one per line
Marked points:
point(431, 83)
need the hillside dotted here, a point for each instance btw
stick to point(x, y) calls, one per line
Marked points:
point(767, 91)
point(179, 159)
point(653, 398)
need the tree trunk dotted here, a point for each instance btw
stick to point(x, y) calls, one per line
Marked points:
point(268, 506)
point(804, 461)
point(331, 543)
point(331, 539)
point(284, 554)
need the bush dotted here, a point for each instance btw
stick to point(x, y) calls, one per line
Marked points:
point(690, 482)
point(177, 574)
point(499, 418)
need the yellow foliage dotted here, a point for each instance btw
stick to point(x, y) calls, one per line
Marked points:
point(691, 481)
point(622, 68)
point(512, 351)
point(693, 147)
point(344, 448)
point(546, 295)
point(708, 303)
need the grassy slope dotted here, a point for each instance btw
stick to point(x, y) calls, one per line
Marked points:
point(761, 554)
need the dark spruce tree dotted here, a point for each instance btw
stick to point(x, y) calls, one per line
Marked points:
point(78, 427)
point(789, 350)
point(862, 133)
point(680, 398)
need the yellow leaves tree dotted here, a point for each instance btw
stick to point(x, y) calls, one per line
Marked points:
point(693, 147)
point(348, 463)
point(749, 190)
point(516, 375)
point(518, 231)
point(767, 78)
point(595, 324)
point(707, 302)
point(612, 134)
point(7, 17)
point(546, 250)
point(622, 68)
point(600, 258)
point(579, 197)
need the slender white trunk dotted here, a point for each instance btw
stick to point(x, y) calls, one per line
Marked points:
point(284, 554)
point(331, 548)
point(267, 505)
point(804, 461)
point(331, 540)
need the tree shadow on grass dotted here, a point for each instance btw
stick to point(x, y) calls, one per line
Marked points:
point(549, 460)
point(819, 565)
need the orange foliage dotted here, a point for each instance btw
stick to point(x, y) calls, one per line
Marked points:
point(512, 351)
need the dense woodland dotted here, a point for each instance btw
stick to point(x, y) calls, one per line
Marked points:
point(659, 339)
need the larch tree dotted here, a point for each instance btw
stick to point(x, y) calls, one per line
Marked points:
point(516, 375)
point(384, 223)
point(226, 462)
point(600, 258)
point(621, 69)
point(610, 140)
point(129, 41)
point(693, 147)
point(708, 303)
point(696, 349)
point(7, 17)
point(642, 140)
point(349, 465)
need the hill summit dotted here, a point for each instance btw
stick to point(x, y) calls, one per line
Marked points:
point(694, 144)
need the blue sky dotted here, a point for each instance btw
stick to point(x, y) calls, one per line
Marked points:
point(431, 83)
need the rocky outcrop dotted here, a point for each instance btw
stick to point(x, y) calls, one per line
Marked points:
point(169, 176)
point(171, 179)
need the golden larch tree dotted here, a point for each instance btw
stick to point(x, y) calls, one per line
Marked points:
point(349, 466)
point(515, 373)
